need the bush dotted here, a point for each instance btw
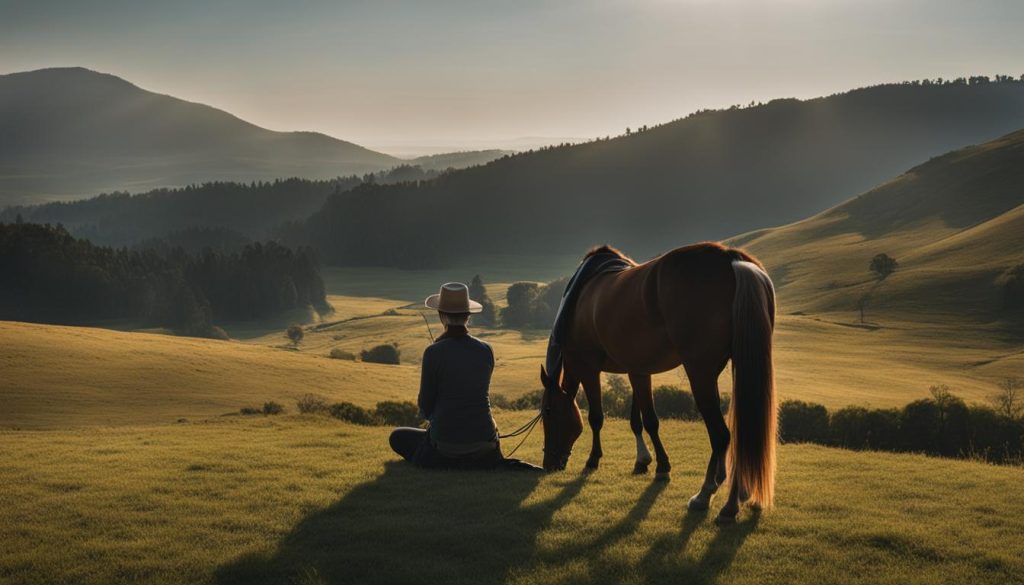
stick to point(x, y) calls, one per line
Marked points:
point(272, 407)
point(387, 353)
point(919, 426)
point(803, 422)
point(617, 397)
point(295, 334)
point(311, 403)
point(249, 411)
point(399, 414)
point(354, 414)
point(674, 402)
point(340, 354)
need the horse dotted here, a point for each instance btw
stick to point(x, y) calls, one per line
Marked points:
point(698, 306)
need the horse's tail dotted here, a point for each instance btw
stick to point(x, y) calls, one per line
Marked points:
point(752, 416)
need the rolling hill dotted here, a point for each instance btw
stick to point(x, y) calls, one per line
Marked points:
point(70, 132)
point(955, 225)
point(708, 176)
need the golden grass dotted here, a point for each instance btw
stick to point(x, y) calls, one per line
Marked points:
point(58, 376)
point(69, 376)
point(309, 500)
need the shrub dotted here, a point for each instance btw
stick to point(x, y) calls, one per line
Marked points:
point(311, 403)
point(249, 410)
point(803, 422)
point(295, 334)
point(400, 414)
point(272, 407)
point(616, 399)
point(848, 427)
point(674, 402)
point(387, 353)
point(919, 426)
point(340, 354)
point(352, 413)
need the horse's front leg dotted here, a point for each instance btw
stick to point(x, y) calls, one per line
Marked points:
point(595, 416)
point(636, 424)
point(642, 393)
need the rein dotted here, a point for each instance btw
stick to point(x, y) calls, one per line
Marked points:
point(524, 430)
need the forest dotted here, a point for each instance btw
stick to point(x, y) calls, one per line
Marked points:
point(49, 276)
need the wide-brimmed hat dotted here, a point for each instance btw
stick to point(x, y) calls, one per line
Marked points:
point(453, 298)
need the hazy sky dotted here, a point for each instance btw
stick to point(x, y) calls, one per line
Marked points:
point(406, 77)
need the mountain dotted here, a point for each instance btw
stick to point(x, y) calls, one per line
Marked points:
point(955, 226)
point(74, 132)
point(710, 175)
point(457, 160)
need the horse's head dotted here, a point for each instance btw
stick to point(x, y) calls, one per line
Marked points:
point(563, 423)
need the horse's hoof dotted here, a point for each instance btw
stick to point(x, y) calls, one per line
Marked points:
point(592, 464)
point(698, 504)
point(662, 476)
point(640, 469)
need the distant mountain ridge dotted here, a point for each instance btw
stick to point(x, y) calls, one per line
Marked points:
point(707, 176)
point(75, 132)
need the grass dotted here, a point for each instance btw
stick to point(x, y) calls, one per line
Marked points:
point(58, 376)
point(298, 499)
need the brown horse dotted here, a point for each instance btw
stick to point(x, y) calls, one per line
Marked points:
point(697, 306)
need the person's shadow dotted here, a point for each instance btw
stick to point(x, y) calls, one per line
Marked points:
point(413, 526)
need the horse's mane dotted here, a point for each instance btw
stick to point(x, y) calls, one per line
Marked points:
point(606, 249)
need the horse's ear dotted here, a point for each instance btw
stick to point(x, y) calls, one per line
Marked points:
point(544, 378)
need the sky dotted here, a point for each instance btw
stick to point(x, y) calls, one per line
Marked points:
point(426, 76)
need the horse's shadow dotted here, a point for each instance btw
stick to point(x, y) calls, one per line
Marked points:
point(411, 526)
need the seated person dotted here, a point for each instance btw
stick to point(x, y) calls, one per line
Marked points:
point(455, 377)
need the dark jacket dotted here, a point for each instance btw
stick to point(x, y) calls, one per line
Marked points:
point(454, 384)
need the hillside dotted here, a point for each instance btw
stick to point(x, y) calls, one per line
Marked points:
point(955, 225)
point(710, 175)
point(457, 160)
point(74, 132)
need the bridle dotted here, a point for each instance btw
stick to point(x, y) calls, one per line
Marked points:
point(524, 430)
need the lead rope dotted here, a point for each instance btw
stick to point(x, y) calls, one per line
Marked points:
point(527, 429)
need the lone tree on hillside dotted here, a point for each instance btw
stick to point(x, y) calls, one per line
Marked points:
point(883, 265)
point(1008, 400)
point(488, 315)
point(295, 333)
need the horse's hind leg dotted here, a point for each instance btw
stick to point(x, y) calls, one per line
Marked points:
point(704, 383)
point(642, 394)
point(636, 423)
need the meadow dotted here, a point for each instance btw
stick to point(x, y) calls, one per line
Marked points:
point(304, 499)
point(125, 461)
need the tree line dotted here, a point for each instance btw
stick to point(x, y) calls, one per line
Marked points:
point(50, 276)
point(942, 425)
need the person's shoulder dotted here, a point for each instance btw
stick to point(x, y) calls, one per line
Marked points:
point(481, 343)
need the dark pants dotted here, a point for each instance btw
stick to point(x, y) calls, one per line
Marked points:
point(414, 445)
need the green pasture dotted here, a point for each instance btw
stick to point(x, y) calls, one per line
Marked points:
point(298, 499)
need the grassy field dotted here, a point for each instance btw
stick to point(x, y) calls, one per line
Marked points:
point(308, 500)
point(58, 376)
point(118, 466)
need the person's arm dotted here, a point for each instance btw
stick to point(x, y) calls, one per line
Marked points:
point(428, 384)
